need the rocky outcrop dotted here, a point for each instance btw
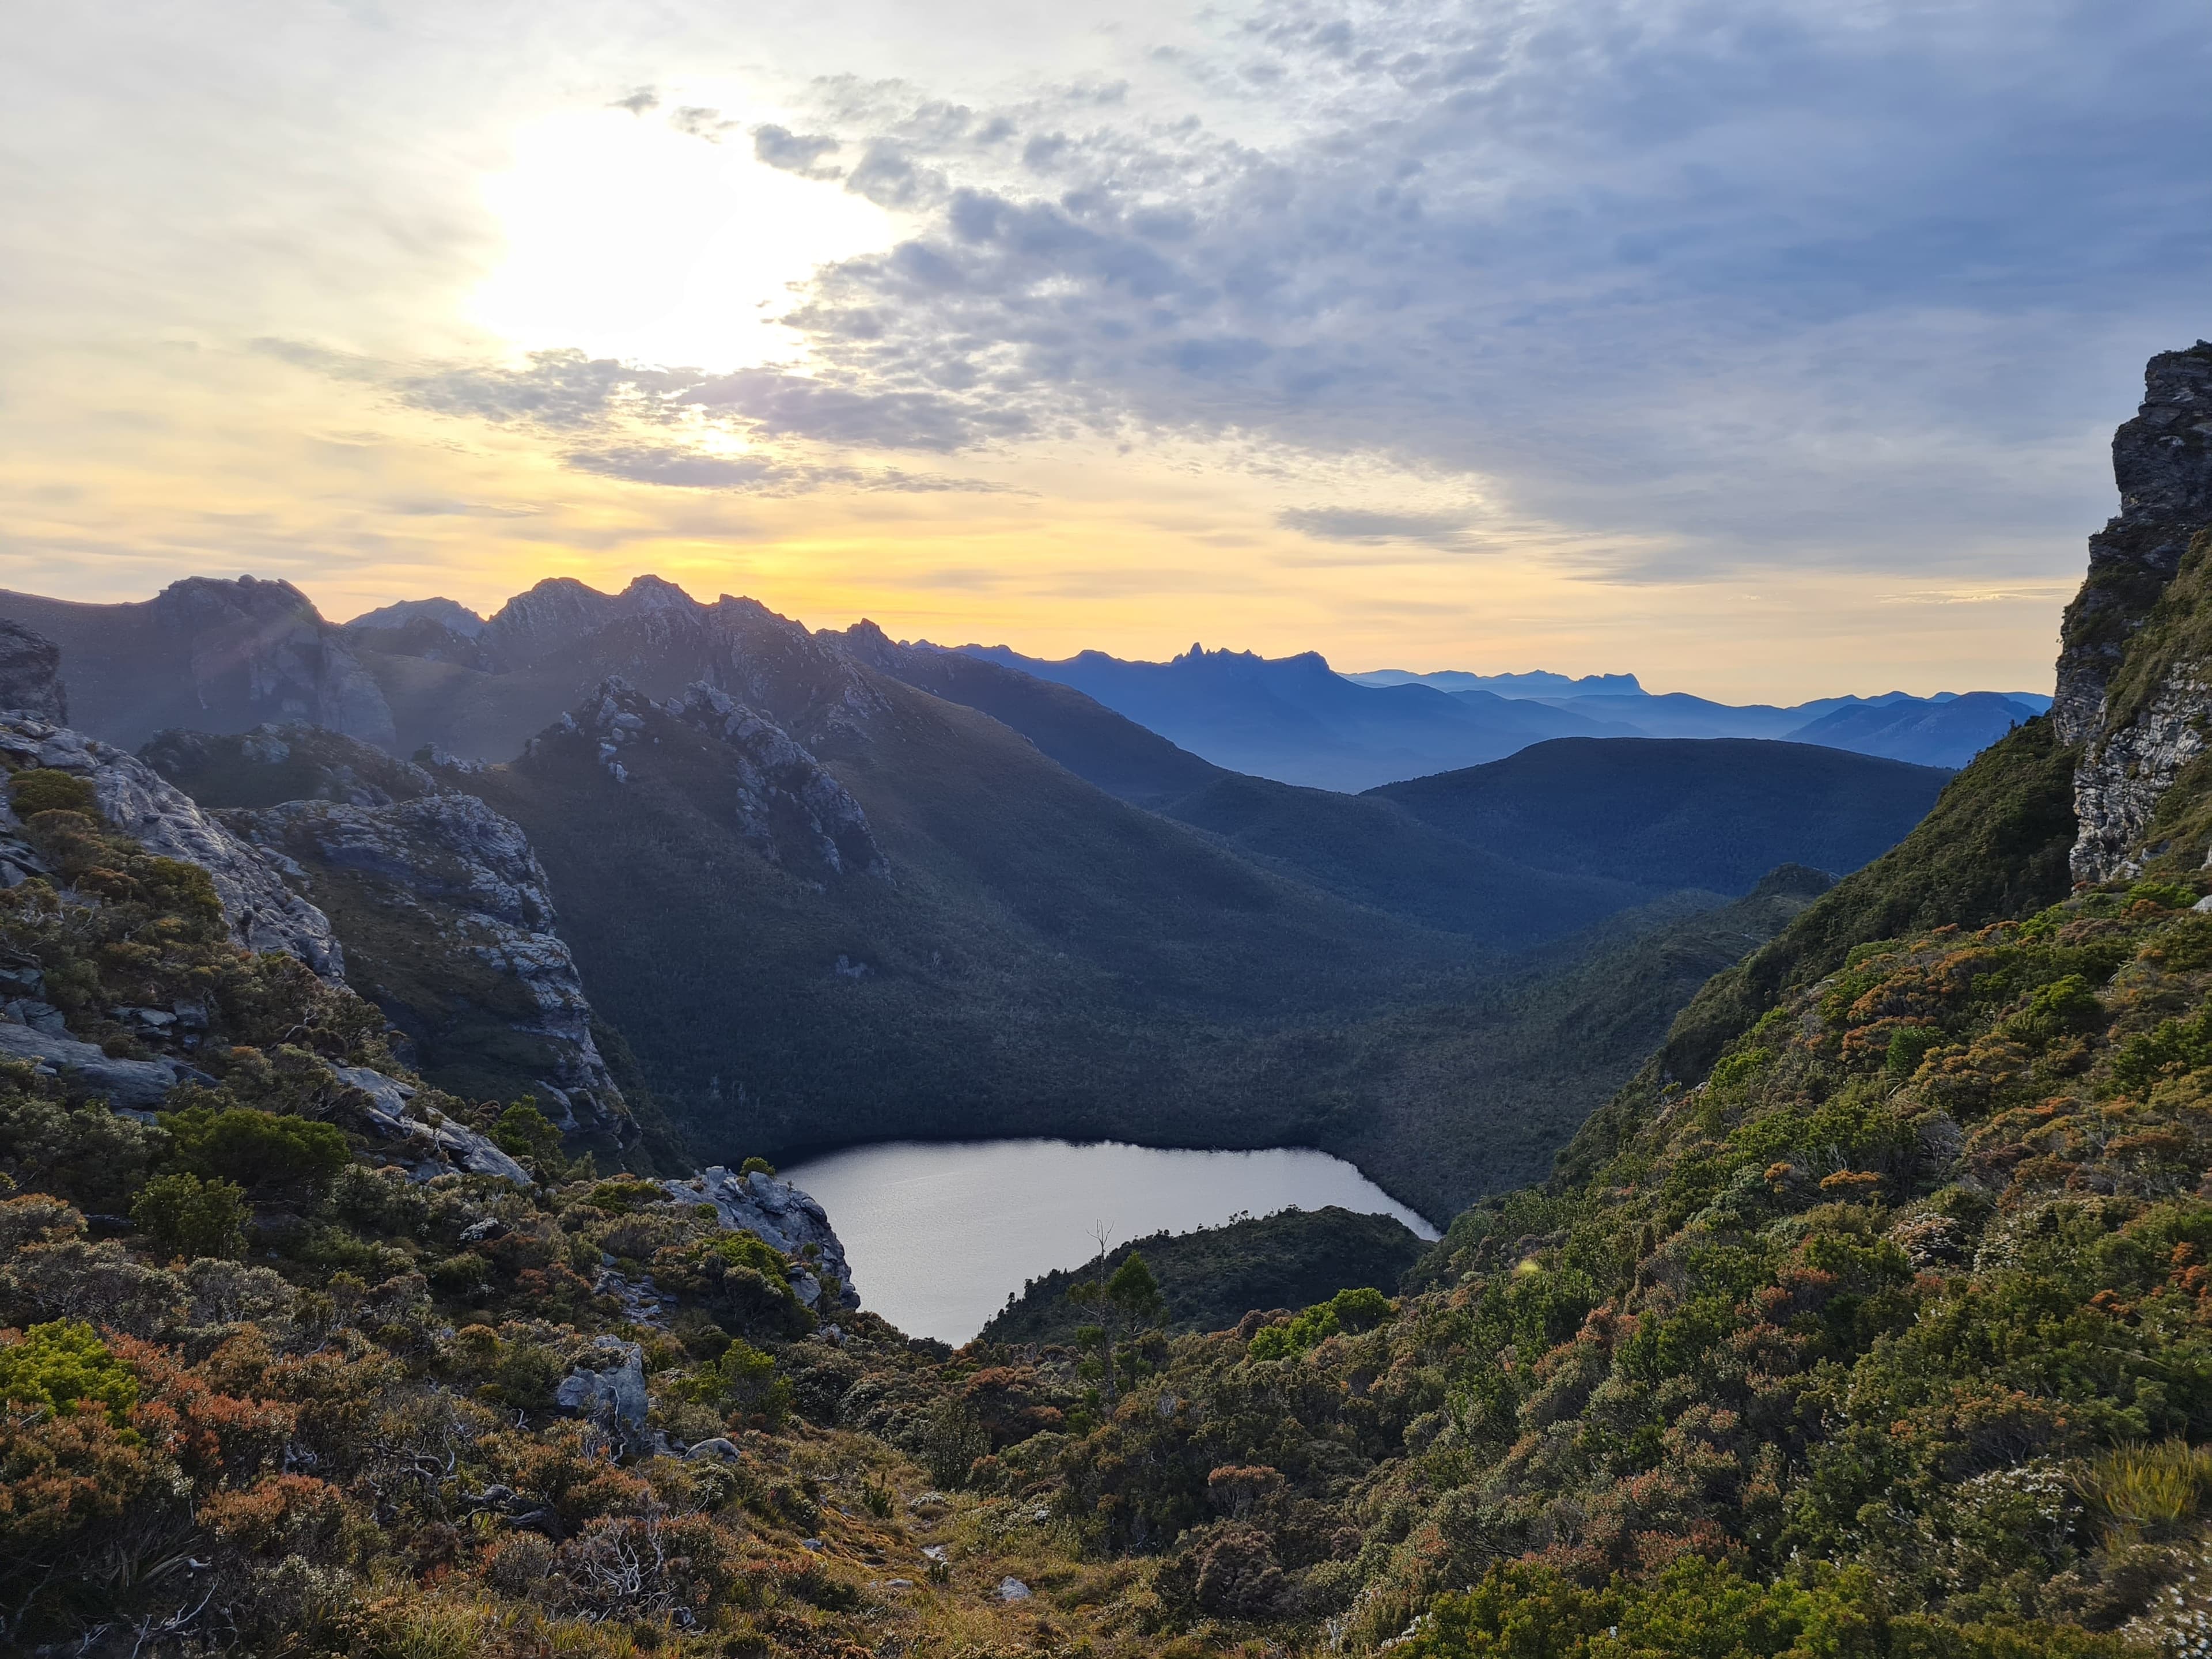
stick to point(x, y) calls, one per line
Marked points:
point(2162, 462)
point(263, 914)
point(220, 655)
point(30, 674)
point(85, 1069)
point(784, 1217)
point(450, 909)
point(787, 804)
point(787, 797)
point(608, 1388)
point(2134, 670)
point(430, 1148)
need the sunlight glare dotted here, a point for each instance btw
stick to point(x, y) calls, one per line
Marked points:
point(626, 239)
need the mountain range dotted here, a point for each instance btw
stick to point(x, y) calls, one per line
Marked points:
point(1297, 720)
point(795, 889)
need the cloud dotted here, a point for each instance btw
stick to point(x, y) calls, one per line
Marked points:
point(684, 469)
point(701, 122)
point(565, 390)
point(798, 153)
point(639, 101)
point(680, 467)
point(1361, 527)
point(1787, 282)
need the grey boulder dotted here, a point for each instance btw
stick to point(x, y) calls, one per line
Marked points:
point(132, 1084)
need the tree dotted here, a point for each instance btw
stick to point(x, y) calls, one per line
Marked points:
point(523, 1131)
point(184, 1215)
point(1127, 1301)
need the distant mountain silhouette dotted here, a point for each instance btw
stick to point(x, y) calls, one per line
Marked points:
point(1296, 720)
point(1930, 734)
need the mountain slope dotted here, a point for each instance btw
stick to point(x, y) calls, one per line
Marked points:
point(222, 656)
point(1055, 962)
point(1089, 740)
point(1927, 734)
point(1668, 813)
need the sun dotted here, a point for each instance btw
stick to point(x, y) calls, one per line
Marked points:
point(628, 238)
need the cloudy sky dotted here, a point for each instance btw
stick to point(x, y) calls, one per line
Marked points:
point(1767, 349)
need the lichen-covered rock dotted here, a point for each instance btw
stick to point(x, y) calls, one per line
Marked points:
point(2135, 682)
point(263, 914)
point(30, 674)
point(608, 1387)
point(785, 1217)
point(454, 930)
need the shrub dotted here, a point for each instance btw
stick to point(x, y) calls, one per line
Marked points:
point(743, 1382)
point(523, 1131)
point(756, 1166)
point(60, 1366)
point(184, 1215)
point(256, 1148)
point(42, 789)
point(1357, 1309)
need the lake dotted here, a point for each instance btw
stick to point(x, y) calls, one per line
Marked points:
point(939, 1234)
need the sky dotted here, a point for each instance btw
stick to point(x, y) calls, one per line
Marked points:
point(1767, 350)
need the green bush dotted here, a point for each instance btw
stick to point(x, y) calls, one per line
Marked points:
point(756, 1166)
point(523, 1131)
point(184, 1215)
point(60, 1366)
point(743, 1383)
point(1358, 1309)
point(41, 789)
point(256, 1148)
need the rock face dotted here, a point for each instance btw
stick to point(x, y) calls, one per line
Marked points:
point(784, 1217)
point(2135, 686)
point(608, 1387)
point(30, 674)
point(789, 805)
point(454, 930)
point(262, 911)
point(219, 655)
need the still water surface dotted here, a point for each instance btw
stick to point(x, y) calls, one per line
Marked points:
point(939, 1234)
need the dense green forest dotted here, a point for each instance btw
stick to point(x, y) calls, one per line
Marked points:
point(1210, 1278)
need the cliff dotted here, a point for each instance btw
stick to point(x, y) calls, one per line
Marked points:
point(449, 915)
point(2134, 668)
